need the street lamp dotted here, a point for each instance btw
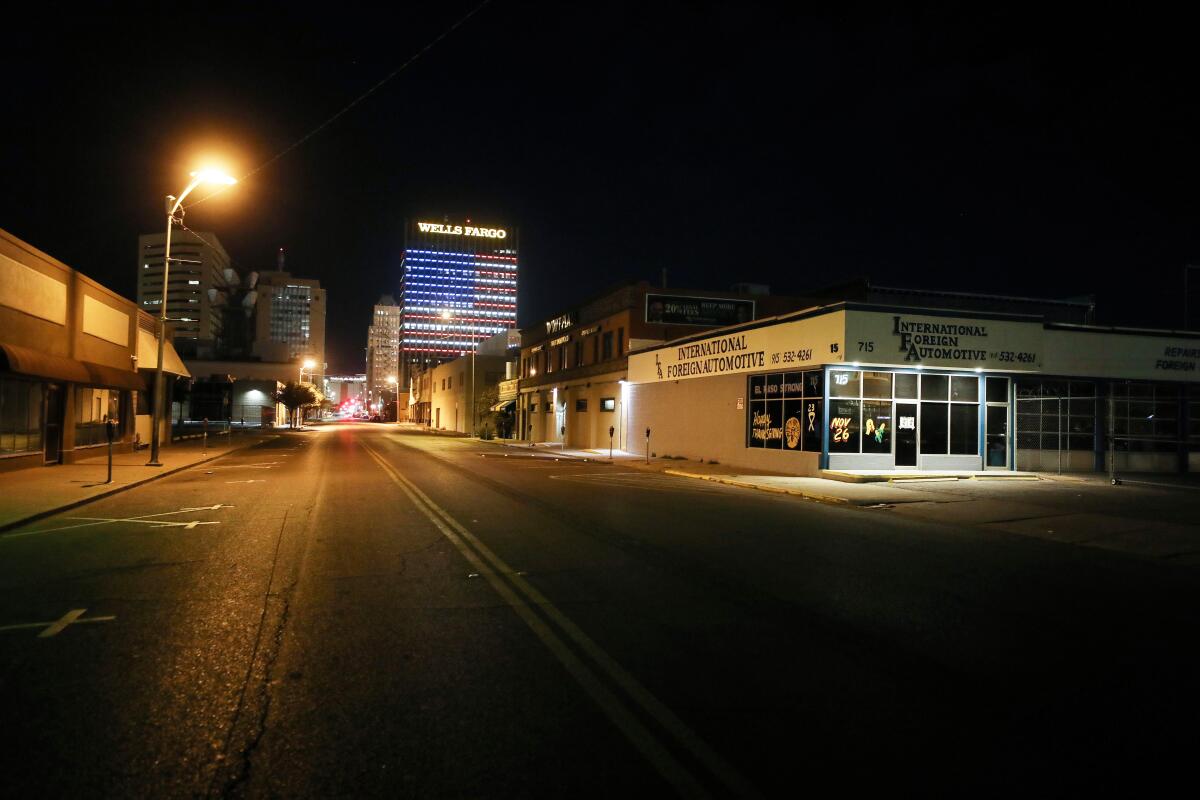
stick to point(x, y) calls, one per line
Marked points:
point(172, 205)
point(395, 388)
point(309, 365)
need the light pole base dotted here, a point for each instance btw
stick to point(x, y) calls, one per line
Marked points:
point(153, 463)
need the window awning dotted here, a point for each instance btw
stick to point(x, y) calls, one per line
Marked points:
point(113, 378)
point(36, 364)
point(147, 352)
point(504, 405)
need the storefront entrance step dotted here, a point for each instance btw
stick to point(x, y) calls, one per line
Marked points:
point(898, 476)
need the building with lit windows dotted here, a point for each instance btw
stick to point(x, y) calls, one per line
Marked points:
point(458, 288)
point(383, 349)
point(289, 319)
point(914, 383)
point(197, 274)
point(574, 366)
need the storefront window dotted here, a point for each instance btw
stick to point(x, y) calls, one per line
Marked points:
point(964, 429)
point(785, 411)
point(877, 384)
point(20, 416)
point(843, 383)
point(877, 426)
point(934, 436)
point(934, 387)
point(844, 425)
point(812, 422)
point(997, 390)
point(92, 407)
point(906, 386)
point(814, 384)
point(964, 389)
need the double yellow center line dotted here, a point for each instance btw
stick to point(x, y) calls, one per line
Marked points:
point(617, 693)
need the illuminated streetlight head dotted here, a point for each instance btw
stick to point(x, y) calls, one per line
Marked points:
point(214, 176)
point(445, 315)
point(309, 363)
point(391, 378)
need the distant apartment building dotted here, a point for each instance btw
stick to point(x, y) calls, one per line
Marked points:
point(195, 282)
point(289, 319)
point(383, 347)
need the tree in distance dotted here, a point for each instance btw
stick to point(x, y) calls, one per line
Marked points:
point(297, 397)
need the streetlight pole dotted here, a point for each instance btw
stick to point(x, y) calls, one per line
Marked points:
point(172, 205)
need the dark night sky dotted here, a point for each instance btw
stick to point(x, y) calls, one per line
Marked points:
point(1001, 151)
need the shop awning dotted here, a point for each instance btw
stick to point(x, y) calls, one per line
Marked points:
point(36, 364)
point(147, 352)
point(113, 378)
point(504, 405)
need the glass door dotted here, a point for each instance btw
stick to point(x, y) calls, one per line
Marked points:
point(906, 434)
point(52, 443)
point(996, 424)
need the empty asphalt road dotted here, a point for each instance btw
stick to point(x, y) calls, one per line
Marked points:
point(353, 611)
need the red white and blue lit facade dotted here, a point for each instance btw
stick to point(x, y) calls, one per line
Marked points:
point(458, 288)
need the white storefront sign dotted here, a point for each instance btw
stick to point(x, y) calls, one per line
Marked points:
point(890, 339)
point(878, 337)
point(787, 345)
point(1126, 356)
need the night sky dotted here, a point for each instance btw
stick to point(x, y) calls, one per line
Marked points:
point(999, 151)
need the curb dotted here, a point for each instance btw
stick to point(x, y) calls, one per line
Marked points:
point(7, 526)
point(820, 498)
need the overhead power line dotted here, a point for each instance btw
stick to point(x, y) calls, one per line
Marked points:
point(345, 109)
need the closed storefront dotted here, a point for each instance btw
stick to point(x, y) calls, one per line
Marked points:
point(859, 388)
point(72, 355)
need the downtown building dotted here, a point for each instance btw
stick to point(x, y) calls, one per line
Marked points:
point(74, 355)
point(893, 382)
point(573, 369)
point(383, 350)
point(458, 288)
point(200, 270)
point(289, 319)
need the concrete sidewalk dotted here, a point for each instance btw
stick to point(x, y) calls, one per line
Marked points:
point(29, 494)
point(1155, 520)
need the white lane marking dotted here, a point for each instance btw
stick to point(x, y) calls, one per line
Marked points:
point(158, 523)
point(522, 597)
point(144, 519)
point(251, 480)
point(56, 627)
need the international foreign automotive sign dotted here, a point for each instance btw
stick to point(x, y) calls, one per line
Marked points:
point(785, 345)
point(943, 341)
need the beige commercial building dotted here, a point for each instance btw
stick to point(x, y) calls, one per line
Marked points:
point(73, 355)
point(573, 367)
point(865, 387)
point(460, 394)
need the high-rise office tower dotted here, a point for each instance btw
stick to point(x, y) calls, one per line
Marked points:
point(290, 318)
point(458, 288)
point(198, 264)
point(383, 347)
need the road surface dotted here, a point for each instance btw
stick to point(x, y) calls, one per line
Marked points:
point(357, 611)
